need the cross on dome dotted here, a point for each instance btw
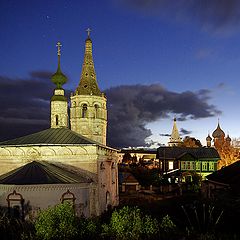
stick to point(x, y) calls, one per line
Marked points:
point(58, 48)
point(88, 32)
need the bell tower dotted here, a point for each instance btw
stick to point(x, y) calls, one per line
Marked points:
point(88, 111)
point(59, 104)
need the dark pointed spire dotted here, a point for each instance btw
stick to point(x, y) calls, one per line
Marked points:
point(59, 78)
point(88, 81)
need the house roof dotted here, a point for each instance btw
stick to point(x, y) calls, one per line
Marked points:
point(50, 136)
point(227, 175)
point(177, 152)
point(143, 151)
point(127, 177)
point(45, 173)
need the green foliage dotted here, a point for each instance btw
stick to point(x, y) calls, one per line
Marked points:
point(167, 224)
point(57, 222)
point(88, 228)
point(129, 223)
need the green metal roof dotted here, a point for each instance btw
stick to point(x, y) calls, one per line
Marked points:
point(45, 173)
point(50, 136)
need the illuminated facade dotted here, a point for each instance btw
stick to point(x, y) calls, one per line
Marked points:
point(88, 112)
point(81, 152)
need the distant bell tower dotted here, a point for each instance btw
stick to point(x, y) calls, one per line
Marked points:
point(59, 105)
point(175, 139)
point(88, 104)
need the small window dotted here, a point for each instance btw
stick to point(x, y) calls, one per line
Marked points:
point(183, 165)
point(204, 166)
point(188, 165)
point(68, 197)
point(84, 110)
point(211, 166)
point(170, 165)
point(57, 121)
point(96, 111)
point(102, 167)
point(15, 205)
point(198, 166)
point(113, 173)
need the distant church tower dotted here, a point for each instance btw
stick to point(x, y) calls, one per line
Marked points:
point(209, 140)
point(88, 104)
point(218, 136)
point(59, 104)
point(175, 139)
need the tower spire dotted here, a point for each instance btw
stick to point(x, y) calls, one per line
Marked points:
point(88, 81)
point(175, 139)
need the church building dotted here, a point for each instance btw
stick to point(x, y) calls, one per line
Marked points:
point(67, 162)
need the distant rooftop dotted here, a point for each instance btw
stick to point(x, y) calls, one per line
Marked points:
point(197, 152)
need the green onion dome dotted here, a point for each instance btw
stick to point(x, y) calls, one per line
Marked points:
point(59, 78)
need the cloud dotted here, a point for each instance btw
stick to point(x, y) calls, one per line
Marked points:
point(165, 135)
point(25, 108)
point(184, 131)
point(24, 104)
point(214, 15)
point(131, 108)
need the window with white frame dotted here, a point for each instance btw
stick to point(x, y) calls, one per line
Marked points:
point(170, 165)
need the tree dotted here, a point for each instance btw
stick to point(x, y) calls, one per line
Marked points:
point(191, 142)
point(127, 158)
point(130, 223)
point(56, 223)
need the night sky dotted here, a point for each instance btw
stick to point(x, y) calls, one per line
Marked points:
point(154, 59)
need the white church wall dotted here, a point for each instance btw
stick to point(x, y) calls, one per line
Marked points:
point(42, 196)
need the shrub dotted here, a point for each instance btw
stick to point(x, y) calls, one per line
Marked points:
point(57, 222)
point(130, 223)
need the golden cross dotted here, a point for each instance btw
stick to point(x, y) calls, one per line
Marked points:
point(88, 32)
point(58, 48)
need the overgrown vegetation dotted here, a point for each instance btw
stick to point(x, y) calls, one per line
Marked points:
point(175, 219)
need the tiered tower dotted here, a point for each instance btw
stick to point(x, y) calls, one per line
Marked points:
point(175, 139)
point(59, 104)
point(88, 104)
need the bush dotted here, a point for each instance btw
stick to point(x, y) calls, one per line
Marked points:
point(57, 222)
point(130, 223)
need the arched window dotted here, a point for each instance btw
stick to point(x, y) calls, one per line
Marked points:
point(68, 197)
point(57, 122)
point(84, 110)
point(96, 111)
point(15, 205)
point(108, 200)
point(113, 173)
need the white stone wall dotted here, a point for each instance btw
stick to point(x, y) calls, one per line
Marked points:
point(87, 157)
point(94, 124)
point(59, 111)
point(42, 196)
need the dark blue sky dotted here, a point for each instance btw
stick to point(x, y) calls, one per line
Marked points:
point(184, 46)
